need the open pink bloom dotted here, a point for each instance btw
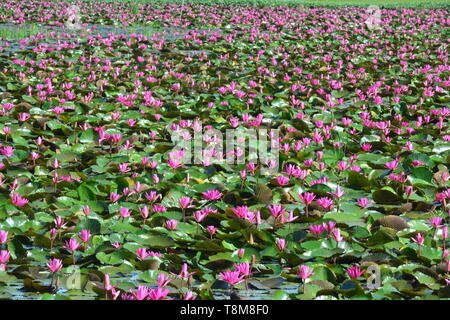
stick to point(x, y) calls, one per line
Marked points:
point(115, 293)
point(142, 253)
point(329, 227)
point(199, 215)
point(354, 272)
point(304, 272)
point(17, 200)
point(282, 180)
point(419, 239)
point(72, 245)
point(125, 212)
point(338, 193)
point(325, 202)
point(7, 151)
point(116, 245)
point(316, 229)
point(363, 202)
point(185, 202)
point(114, 197)
point(157, 294)
point(212, 195)
point(291, 217)
point(436, 222)
point(141, 293)
point(54, 265)
point(307, 197)
point(59, 222)
point(153, 196)
point(244, 268)
point(336, 235)
point(163, 280)
point(231, 277)
point(174, 164)
point(123, 167)
point(392, 165)
point(276, 210)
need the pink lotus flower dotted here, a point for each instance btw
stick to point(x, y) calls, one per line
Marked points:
point(144, 211)
point(276, 210)
point(211, 230)
point(141, 293)
point(307, 197)
point(24, 116)
point(241, 252)
point(85, 235)
point(72, 245)
point(244, 268)
point(281, 244)
point(338, 193)
point(114, 197)
point(171, 224)
point(325, 202)
point(3, 236)
point(231, 277)
point(354, 272)
point(86, 210)
point(329, 227)
point(189, 295)
point(125, 212)
point(184, 274)
point(7, 151)
point(153, 196)
point(282, 180)
point(59, 222)
point(336, 235)
point(392, 165)
point(185, 202)
point(316, 229)
point(163, 280)
point(4, 256)
point(17, 200)
point(363, 202)
point(199, 215)
point(54, 265)
point(157, 294)
point(212, 195)
point(305, 272)
point(436, 222)
point(419, 239)
point(123, 167)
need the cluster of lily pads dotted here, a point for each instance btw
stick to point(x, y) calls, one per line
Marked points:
point(95, 201)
